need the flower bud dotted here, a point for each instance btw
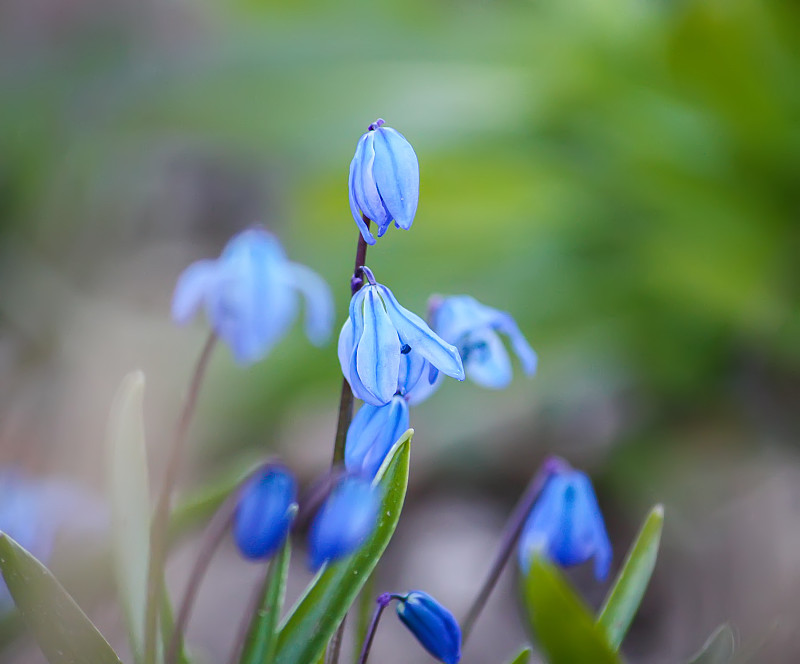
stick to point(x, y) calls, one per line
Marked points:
point(432, 624)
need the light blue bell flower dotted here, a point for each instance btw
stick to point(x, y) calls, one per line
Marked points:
point(566, 526)
point(376, 336)
point(250, 295)
point(344, 522)
point(432, 624)
point(267, 504)
point(473, 328)
point(384, 180)
point(372, 433)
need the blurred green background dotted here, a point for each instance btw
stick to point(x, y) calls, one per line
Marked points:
point(623, 176)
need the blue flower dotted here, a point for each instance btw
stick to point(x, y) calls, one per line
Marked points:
point(372, 433)
point(250, 295)
point(376, 336)
point(473, 328)
point(384, 180)
point(433, 625)
point(264, 512)
point(344, 522)
point(566, 526)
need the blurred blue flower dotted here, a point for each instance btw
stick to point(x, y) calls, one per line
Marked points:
point(344, 522)
point(383, 181)
point(433, 625)
point(372, 433)
point(376, 336)
point(566, 526)
point(34, 512)
point(266, 507)
point(473, 328)
point(250, 295)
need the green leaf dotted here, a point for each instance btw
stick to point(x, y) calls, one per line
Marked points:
point(564, 627)
point(259, 647)
point(626, 594)
point(317, 615)
point(62, 630)
point(130, 504)
point(522, 657)
point(718, 649)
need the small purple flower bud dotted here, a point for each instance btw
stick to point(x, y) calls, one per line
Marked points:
point(380, 337)
point(267, 505)
point(432, 624)
point(384, 180)
point(250, 294)
point(344, 522)
point(473, 328)
point(566, 526)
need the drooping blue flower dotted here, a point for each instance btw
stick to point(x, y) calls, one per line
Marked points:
point(433, 625)
point(566, 526)
point(344, 522)
point(383, 181)
point(473, 328)
point(266, 507)
point(375, 337)
point(250, 294)
point(372, 433)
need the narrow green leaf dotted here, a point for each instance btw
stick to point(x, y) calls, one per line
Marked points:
point(564, 627)
point(629, 587)
point(316, 616)
point(130, 504)
point(718, 649)
point(62, 630)
point(522, 657)
point(259, 647)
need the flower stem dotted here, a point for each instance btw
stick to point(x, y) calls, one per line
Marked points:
point(158, 530)
point(511, 533)
point(382, 601)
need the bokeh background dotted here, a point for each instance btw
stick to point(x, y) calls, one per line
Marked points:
point(623, 176)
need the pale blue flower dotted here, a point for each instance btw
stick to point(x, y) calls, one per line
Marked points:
point(266, 507)
point(384, 180)
point(250, 295)
point(372, 433)
point(434, 626)
point(376, 336)
point(473, 328)
point(344, 522)
point(566, 526)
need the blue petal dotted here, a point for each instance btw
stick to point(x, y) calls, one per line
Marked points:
point(416, 333)
point(355, 331)
point(355, 207)
point(345, 348)
point(432, 624)
point(396, 175)
point(523, 350)
point(371, 435)
point(412, 368)
point(487, 362)
point(344, 522)
point(192, 287)
point(319, 302)
point(378, 349)
point(364, 187)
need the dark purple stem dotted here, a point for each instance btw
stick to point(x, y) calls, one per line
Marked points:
point(511, 533)
point(383, 601)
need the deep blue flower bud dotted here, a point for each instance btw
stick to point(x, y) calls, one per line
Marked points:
point(473, 328)
point(250, 294)
point(372, 433)
point(384, 180)
point(433, 625)
point(566, 526)
point(375, 337)
point(344, 522)
point(266, 507)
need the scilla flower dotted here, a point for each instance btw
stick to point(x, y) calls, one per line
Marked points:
point(434, 626)
point(344, 522)
point(264, 512)
point(250, 294)
point(566, 526)
point(474, 329)
point(376, 336)
point(384, 180)
point(372, 433)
